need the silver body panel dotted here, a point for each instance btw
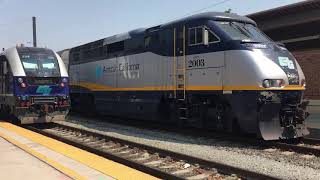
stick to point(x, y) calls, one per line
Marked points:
point(221, 69)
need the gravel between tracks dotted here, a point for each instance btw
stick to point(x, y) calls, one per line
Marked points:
point(270, 162)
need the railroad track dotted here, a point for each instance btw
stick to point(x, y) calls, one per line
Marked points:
point(303, 146)
point(161, 163)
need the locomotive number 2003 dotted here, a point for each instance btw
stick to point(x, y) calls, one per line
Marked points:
point(196, 63)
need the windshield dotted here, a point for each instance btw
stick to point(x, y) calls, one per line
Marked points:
point(40, 64)
point(242, 31)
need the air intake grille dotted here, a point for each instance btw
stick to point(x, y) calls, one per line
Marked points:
point(43, 100)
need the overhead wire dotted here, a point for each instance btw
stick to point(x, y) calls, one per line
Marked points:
point(199, 10)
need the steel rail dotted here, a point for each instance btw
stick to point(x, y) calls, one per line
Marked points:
point(206, 164)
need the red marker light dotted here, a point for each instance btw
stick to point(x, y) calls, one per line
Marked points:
point(23, 85)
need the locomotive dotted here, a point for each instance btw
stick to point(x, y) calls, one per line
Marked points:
point(34, 85)
point(214, 70)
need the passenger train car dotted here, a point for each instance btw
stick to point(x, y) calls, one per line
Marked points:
point(34, 85)
point(214, 70)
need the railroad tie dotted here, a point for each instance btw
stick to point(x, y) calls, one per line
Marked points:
point(182, 171)
point(99, 142)
point(168, 166)
point(132, 155)
point(117, 149)
point(108, 146)
point(124, 152)
point(141, 159)
point(153, 163)
point(200, 176)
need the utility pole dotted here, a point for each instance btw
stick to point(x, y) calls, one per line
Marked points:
point(34, 27)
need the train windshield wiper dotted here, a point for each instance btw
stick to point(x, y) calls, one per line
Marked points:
point(240, 29)
point(243, 41)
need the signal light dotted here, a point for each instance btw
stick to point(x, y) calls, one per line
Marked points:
point(303, 83)
point(65, 80)
point(62, 84)
point(20, 80)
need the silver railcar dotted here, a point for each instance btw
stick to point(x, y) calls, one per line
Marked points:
point(215, 70)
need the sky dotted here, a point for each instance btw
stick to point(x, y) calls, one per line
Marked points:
point(63, 24)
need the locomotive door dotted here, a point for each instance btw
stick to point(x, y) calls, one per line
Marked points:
point(179, 62)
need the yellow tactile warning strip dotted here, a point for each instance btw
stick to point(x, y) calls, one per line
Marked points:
point(108, 167)
point(43, 158)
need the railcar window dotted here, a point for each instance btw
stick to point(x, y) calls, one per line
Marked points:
point(212, 37)
point(147, 41)
point(196, 35)
point(116, 47)
point(133, 43)
point(199, 35)
point(192, 35)
point(152, 40)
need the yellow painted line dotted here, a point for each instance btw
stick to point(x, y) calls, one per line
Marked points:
point(105, 166)
point(52, 163)
point(99, 87)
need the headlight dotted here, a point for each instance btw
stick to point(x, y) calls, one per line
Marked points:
point(268, 83)
point(64, 80)
point(20, 80)
point(303, 83)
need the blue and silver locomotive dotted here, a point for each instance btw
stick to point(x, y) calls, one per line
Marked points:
point(34, 85)
point(215, 70)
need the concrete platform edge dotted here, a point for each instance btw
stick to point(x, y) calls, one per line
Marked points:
point(43, 158)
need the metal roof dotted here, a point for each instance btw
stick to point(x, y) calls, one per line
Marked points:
point(286, 10)
point(218, 16)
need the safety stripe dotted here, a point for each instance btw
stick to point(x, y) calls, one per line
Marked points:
point(72, 174)
point(105, 166)
point(99, 87)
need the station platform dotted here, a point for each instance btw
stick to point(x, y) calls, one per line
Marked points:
point(16, 164)
point(28, 155)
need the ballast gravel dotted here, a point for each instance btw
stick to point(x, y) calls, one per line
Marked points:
point(271, 162)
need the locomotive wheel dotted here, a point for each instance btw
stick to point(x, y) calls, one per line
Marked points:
point(204, 116)
point(236, 127)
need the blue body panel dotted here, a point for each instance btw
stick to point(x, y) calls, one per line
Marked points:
point(40, 90)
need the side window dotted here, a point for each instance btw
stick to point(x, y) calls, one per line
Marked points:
point(212, 37)
point(199, 35)
point(133, 44)
point(115, 47)
point(152, 40)
point(196, 36)
point(192, 36)
point(147, 41)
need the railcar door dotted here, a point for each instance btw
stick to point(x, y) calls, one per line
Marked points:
point(204, 60)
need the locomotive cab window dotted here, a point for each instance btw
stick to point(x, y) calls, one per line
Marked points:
point(212, 37)
point(196, 36)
